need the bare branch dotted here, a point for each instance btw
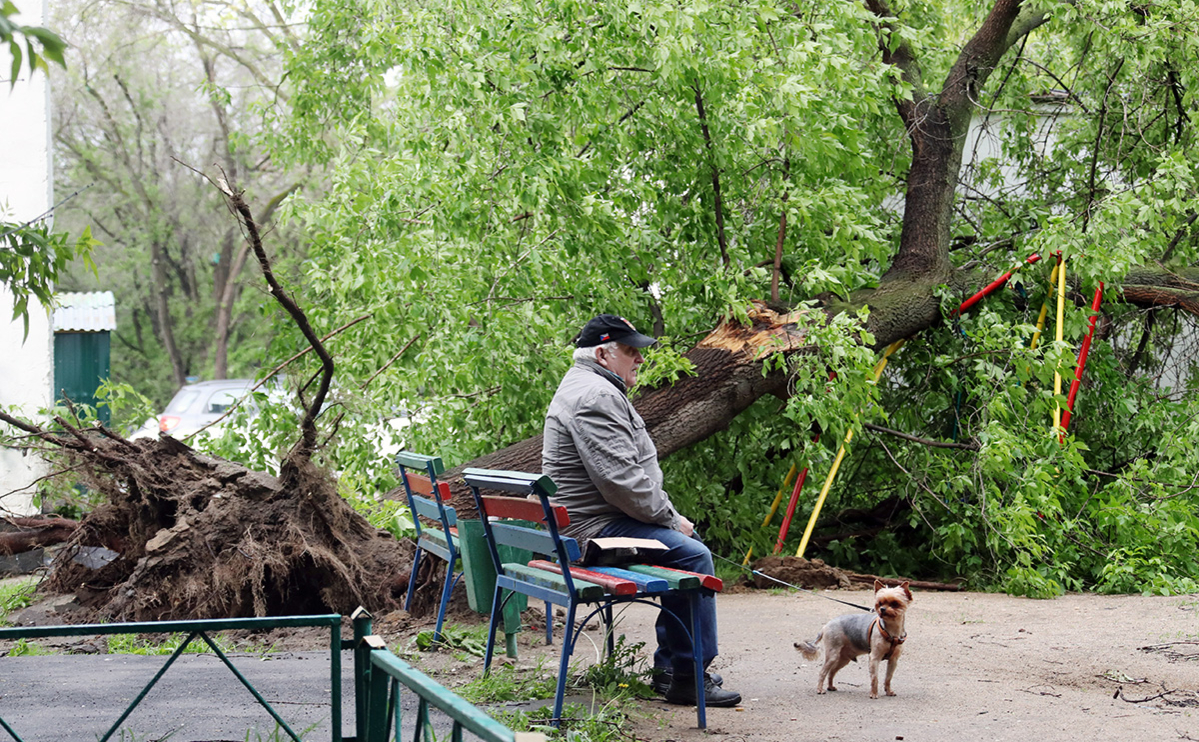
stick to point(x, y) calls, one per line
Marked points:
point(921, 441)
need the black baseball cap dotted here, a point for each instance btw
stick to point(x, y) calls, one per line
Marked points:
point(608, 327)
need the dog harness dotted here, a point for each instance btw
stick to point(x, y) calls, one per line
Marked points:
point(882, 630)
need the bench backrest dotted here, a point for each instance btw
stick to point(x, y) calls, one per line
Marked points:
point(531, 504)
point(426, 495)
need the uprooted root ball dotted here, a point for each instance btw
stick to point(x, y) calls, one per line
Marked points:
point(199, 537)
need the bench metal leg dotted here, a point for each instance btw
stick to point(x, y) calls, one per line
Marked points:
point(445, 597)
point(609, 630)
point(412, 578)
point(568, 637)
point(492, 626)
point(549, 624)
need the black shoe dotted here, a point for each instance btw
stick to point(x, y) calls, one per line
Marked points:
point(661, 679)
point(682, 692)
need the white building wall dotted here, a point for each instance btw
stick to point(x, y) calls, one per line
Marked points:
point(26, 192)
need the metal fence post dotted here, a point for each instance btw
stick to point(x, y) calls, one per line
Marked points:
point(362, 669)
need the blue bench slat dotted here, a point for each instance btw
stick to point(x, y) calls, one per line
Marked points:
point(420, 461)
point(428, 508)
point(433, 541)
point(645, 582)
point(536, 592)
point(538, 542)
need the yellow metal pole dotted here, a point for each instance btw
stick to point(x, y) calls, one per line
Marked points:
point(828, 483)
point(875, 375)
point(1061, 314)
point(1044, 309)
point(774, 508)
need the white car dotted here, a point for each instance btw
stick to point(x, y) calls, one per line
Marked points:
point(195, 406)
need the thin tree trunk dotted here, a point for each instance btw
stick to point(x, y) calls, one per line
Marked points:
point(162, 310)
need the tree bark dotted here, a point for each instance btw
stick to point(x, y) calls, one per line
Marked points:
point(30, 533)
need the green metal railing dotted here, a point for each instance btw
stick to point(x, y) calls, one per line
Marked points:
point(379, 675)
point(200, 629)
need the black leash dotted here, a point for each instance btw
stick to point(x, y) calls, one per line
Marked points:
point(794, 587)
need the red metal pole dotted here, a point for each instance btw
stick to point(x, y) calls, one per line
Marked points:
point(790, 510)
point(990, 288)
point(1082, 359)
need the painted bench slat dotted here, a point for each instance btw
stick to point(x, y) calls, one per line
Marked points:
point(429, 509)
point(676, 580)
point(518, 508)
point(521, 483)
point(645, 582)
point(712, 582)
point(538, 542)
point(420, 461)
point(586, 591)
point(614, 585)
point(422, 485)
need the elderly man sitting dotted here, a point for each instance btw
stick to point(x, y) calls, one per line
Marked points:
point(597, 451)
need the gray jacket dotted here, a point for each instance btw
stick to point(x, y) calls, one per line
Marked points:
point(597, 451)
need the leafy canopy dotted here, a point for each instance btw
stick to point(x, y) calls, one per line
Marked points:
point(501, 172)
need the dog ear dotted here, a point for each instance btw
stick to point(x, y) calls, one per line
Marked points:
point(878, 585)
point(906, 591)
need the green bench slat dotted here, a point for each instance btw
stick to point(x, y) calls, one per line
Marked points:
point(586, 591)
point(676, 580)
point(420, 461)
point(518, 482)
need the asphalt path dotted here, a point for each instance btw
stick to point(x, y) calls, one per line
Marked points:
point(79, 697)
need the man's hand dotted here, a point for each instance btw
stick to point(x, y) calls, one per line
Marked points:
point(686, 527)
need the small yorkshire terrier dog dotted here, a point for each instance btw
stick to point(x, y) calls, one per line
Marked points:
point(881, 634)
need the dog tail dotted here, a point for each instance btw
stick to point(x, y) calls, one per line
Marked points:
point(809, 649)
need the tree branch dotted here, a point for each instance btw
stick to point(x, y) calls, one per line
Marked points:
point(718, 204)
point(921, 441)
point(304, 448)
point(903, 58)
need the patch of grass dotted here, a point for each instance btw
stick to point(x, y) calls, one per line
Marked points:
point(505, 683)
point(151, 644)
point(623, 673)
point(605, 725)
point(26, 648)
point(16, 595)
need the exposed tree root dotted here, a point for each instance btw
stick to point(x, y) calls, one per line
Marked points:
point(200, 537)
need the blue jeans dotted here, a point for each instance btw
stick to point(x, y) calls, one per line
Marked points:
point(689, 553)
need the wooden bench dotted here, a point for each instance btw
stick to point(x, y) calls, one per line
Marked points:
point(429, 498)
point(545, 578)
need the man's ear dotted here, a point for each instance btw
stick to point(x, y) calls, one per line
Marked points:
point(601, 356)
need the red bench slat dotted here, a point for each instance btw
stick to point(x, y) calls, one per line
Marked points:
point(711, 582)
point(614, 585)
point(422, 485)
point(521, 509)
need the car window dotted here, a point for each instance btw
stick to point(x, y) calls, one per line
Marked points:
point(182, 402)
point(221, 400)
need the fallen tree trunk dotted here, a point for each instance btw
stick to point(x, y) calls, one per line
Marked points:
point(30, 533)
point(728, 378)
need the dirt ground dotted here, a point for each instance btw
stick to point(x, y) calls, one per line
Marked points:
point(975, 667)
